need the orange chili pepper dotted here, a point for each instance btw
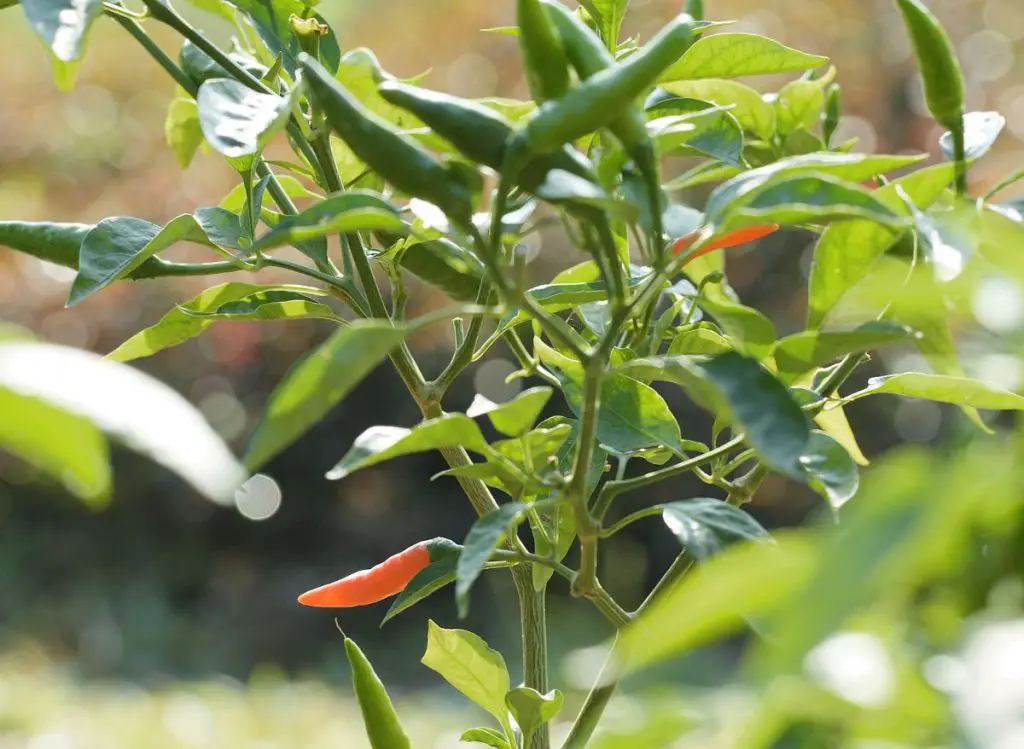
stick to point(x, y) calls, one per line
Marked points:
point(386, 579)
point(732, 239)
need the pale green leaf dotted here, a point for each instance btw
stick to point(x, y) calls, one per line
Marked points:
point(736, 55)
point(468, 664)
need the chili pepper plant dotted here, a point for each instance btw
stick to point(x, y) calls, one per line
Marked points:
point(389, 180)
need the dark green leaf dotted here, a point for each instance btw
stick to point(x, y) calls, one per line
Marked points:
point(482, 539)
point(802, 352)
point(441, 263)
point(428, 581)
point(736, 55)
point(270, 19)
point(117, 246)
point(358, 210)
point(381, 443)
point(62, 24)
point(981, 129)
point(830, 469)
point(706, 527)
point(518, 415)
point(145, 414)
point(191, 318)
point(715, 133)
point(66, 447)
point(318, 382)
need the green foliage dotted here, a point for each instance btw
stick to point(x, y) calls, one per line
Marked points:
point(397, 173)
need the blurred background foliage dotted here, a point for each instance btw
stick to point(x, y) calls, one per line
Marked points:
point(163, 585)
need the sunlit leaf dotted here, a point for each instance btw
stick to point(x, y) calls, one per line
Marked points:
point(62, 24)
point(142, 412)
point(981, 130)
point(961, 391)
point(381, 443)
point(237, 121)
point(750, 110)
point(736, 55)
point(803, 352)
point(531, 709)
point(318, 382)
point(706, 527)
point(468, 664)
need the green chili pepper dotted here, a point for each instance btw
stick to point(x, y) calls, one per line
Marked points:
point(940, 71)
point(589, 57)
point(547, 69)
point(396, 158)
point(479, 133)
point(59, 243)
point(833, 113)
point(943, 79)
point(600, 99)
point(383, 727)
point(446, 266)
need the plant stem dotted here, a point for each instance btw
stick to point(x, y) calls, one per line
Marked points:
point(342, 287)
point(586, 529)
point(533, 620)
point(158, 55)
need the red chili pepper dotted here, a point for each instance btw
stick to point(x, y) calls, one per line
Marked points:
point(732, 239)
point(386, 579)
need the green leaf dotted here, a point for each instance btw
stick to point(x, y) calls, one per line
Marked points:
point(358, 210)
point(482, 539)
point(271, 305)
point(193, 317)
point(182, 131)
point(381, 443)
point(117, 246)
point(318, 382)
point(830, 469)
point(773, 423)
point(609, 15)
point(145, 414)
point(445, 265)
point(736, 55)
point(741, 391)
point(752, 112)
point(52, 241)
point(850, 167)
point(237, 121)
point(714, 132)
point(62, 24)
point(531, 709)
point(713, 600)
point(981, 130)
point(632, 415)
point(465, 662)
point(531, 452)
point(235, 200)
point(270, 19)
point(747, 328)
point(960, 391)
point(802, 352)
point(518, 415)
point(360, 73)
point(801, 199)
point(65, 446)
point(428, 581)
point(800, 103)
point(485, 736)
point(702, 338)
point(847, 251)
point(706, 527)
point(950, 236)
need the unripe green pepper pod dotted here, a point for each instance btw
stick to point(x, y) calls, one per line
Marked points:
point(479, 133)
point(59, 243)
point(833, 113)
point(602, 98)
point(395, 157)
point(383, 727)
point(944, 88)
point(544, 59)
